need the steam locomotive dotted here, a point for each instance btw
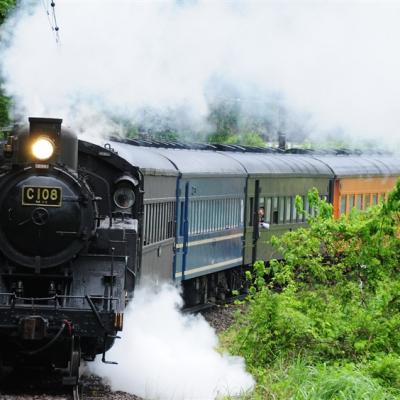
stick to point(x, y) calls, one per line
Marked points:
point(69, 245)
point(81, 223)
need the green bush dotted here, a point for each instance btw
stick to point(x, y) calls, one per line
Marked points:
point(333, 301)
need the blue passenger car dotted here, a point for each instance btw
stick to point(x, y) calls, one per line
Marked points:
point(210, 212)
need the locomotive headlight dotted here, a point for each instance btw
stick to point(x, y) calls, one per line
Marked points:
point(124, 197)
point(42, 148)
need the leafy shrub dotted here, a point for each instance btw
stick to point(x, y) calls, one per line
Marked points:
point(334, 300)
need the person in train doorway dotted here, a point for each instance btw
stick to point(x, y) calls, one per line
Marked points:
point(261, 217)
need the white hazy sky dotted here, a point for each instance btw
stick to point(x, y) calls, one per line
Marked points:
point(337, 61)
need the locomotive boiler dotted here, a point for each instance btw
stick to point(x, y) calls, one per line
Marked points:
point(69, 243)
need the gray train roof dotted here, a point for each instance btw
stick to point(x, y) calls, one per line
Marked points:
point(147, 159)
point(279, 164)
point(203, 162)
point(359, 166)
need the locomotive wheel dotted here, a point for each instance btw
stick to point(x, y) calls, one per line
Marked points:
point(75, 358)
point(72, 376)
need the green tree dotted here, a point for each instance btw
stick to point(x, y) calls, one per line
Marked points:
point(5, 7)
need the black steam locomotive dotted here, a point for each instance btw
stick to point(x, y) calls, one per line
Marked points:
point(69, 246)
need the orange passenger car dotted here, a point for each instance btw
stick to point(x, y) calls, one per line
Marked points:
point(360, 182)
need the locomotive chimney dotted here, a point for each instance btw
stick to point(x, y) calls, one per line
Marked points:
point(281, 141)
point(51, 126)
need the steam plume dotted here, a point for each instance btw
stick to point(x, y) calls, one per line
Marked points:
point(166, 355)
point(333, 66)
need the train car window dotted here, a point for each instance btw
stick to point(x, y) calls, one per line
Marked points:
point(149, 219)
point(241, 212)
point(214, 216)
point(196, 217)
point(146, 224)
point(162, 221)
point(303, 216)
point(157, 222)
point(382, 197)
point(359, 201)
point(288, 209)
point(274, 217)
point(367, 201)
point(158, 227)
point(222, 211)
point(268, 206)
point(200, 216)
point(191, 218)
point(343, 204)
point(182, 211)
point(294, 211)
point(217, 215)
point(281, 208)
point(307, 205)
point(152, 223)
point(227, 222)
point(351, 201)
point(207, 205)
point(205, 216)
point(375, 198)
point(150, 231)
point(232, 212)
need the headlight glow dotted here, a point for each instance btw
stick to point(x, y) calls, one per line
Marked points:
point(124, 197)
point(43, 148)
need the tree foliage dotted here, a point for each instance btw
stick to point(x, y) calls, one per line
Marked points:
point(5, 7)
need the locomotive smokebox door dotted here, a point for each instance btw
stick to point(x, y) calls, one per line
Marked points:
point(33, 327)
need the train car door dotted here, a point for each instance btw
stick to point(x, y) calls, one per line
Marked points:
point(252, 230)
point(182, 234)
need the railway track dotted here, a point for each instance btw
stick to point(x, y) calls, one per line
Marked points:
point(25, 386)
point(211, 305)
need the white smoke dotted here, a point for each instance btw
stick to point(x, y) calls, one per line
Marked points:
point(333, 64)
point(164, 354)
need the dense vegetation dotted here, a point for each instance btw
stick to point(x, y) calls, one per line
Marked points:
point(325, 323)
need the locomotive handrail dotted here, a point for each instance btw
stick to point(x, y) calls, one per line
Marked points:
point(35, 301)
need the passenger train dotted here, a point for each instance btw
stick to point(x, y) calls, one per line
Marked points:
point(82, 223)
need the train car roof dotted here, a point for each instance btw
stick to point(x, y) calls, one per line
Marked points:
point(362, 166)
point(203, 162)
point(280, 164)
point(150, 161)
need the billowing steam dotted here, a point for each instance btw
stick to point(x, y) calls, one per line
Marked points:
point(166, 355)
point(319, 67)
